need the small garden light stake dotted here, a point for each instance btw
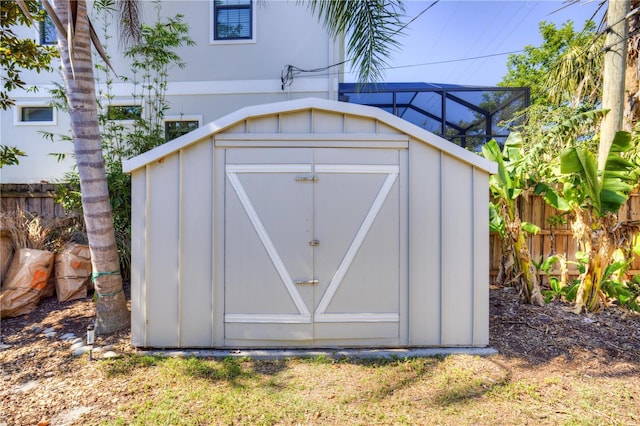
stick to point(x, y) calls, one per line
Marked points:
point(90, 339)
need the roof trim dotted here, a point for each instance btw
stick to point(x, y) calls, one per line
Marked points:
point(240, 115)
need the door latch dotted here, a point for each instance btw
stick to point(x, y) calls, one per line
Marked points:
point(306, 282)
point(306, 179)
point(314, 243)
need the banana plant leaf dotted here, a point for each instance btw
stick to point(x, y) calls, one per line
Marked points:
point(552, 197)
point(621, 142)
point(606, 189)
point(584, 163)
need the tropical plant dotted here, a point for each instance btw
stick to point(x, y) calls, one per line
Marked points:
point(595, 196)
point(9, 155)
point(152, 59)
point(507, 187)
point(549, 147)
point(559, 287)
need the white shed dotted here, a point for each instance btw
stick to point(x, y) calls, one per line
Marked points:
point(310, 223)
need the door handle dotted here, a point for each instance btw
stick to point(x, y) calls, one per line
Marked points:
point(306, 282)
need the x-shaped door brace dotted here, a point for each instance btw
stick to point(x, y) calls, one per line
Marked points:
point(320, 314)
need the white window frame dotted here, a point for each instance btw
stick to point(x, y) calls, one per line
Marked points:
point(212, 24)
point(197, 118)
point(17, 114)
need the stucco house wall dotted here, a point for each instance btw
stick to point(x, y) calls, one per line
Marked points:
point(220, 77)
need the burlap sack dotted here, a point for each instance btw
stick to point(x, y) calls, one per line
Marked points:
point(6, 254)
point(72, 272)
point(26, 278)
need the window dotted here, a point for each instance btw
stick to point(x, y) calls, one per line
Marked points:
point(47, 31)
point(124, 112)
point(34, 114)
point(177, 128)
point(233, 20)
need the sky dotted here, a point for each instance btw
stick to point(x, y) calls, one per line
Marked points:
point(451, 30)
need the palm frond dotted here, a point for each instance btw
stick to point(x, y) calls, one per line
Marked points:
point(129, 22)
point(71, 31)
point(577, 77)
point(372, 28)
point(99, 48)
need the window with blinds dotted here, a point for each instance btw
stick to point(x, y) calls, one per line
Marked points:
point(232, 20)
point(47, 31)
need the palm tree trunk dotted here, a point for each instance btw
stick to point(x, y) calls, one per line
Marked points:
point(111, 308)
point(613, 88)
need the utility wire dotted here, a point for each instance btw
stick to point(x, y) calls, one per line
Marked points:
point(458, 71)
point(587, 48)
point(471, 58)
point(289, 71)
point(417, 16)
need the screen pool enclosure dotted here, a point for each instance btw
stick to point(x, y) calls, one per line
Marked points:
point(468, 116)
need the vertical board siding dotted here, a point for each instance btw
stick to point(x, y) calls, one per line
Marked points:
point(241, 127)
point(404, 246)
point(556, 237)
point(481, 258)
point(267, 124)
point(384, 129)
point(355, 124)
point(138, 257)
point(327, 122)
point(163, 250)
point(217, 236)
point(424, 245)
point(196, 246)
point(296, 122)
point(457, 253)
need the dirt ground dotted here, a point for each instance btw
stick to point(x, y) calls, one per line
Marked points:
point(530, 340)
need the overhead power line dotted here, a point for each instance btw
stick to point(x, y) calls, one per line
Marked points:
point(471, 58)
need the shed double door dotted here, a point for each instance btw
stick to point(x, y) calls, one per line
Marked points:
point(312, 246)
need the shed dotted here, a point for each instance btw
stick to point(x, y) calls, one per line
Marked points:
point(310, 223)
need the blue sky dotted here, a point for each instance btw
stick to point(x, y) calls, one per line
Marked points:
point(453, 30)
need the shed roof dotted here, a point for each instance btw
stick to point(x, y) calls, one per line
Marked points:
point(308, 104)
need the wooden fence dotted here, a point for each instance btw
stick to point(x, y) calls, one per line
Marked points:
point(39, 198)
point(556, 239)
point(32, 198)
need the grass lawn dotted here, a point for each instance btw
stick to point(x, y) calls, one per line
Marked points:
point(552, 368)
point(458, 389)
